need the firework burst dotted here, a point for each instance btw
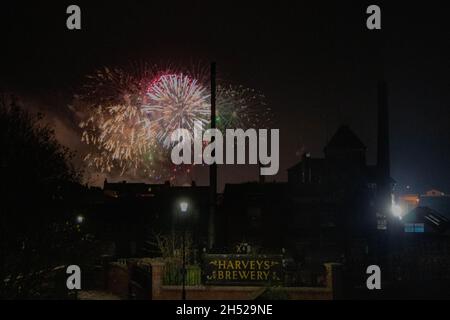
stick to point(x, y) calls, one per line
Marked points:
point(127, 116)
point(241, 107)
point(176, 101)
point(120, 136)
point(113, 124)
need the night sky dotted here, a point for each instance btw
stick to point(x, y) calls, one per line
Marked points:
point(317, 64)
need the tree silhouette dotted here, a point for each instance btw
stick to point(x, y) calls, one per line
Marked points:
point(37, 181)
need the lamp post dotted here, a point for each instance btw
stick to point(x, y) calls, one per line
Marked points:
point(184, 207)
point(80, 219)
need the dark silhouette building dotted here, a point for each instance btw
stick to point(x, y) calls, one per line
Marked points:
point(326, 210)
point(130, 214)
point(334, 208)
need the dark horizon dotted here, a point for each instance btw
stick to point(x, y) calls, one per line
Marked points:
point(318, 66)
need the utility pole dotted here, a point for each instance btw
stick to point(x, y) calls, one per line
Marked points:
point(212, 167)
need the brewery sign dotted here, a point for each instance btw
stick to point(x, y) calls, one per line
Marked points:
point(239, 269)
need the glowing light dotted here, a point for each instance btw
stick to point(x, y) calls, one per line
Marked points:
point(80, 219)
point(397, 210)
point(183, 206)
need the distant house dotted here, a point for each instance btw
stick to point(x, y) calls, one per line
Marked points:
point(433, 199)
point(433, 193)
point(408, 202)
point(255, 213)
point(425, 220)
point(436, 200)
point(130, 214)
point(327, 205)
point(337, 201)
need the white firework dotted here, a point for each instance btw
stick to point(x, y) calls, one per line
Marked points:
point(176, 101)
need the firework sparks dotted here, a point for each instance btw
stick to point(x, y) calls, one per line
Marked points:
point(119, 131)
point(113, 123)
point(127, 117)
point(241, 107)
point(176, 101)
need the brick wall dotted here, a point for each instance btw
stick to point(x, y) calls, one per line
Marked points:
point(210, 293)
point(331, 291)
point(118, 280)
point(118, 283)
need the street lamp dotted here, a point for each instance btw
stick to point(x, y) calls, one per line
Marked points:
point(80, 219)
point(397, 210)
point(184, 207)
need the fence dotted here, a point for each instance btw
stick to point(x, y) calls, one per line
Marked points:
point(156, 279)
point(173, 274)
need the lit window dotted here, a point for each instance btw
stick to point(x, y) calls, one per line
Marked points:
point(381, 224)
point(414, 227)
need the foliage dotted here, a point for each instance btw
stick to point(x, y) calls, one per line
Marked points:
point(169, 246)
point(173, 274)
point(38, 231)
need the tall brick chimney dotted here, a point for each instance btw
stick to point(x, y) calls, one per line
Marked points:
point(383, 154)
